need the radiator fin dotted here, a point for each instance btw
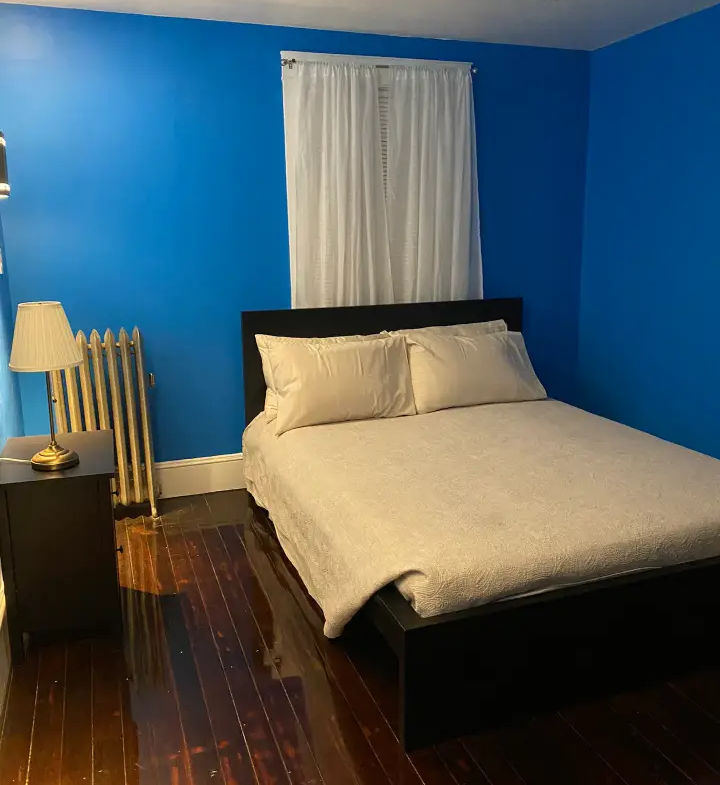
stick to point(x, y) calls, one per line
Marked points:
point(118, 418)
point(61, 418)
point(96, 348)
point(144, 414)
point(73, 400)
point(86, 384)
point(131, 416)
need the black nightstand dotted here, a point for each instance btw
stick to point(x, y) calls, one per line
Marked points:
point(57, 541)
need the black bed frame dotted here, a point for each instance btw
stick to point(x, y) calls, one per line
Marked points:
point(463, 671)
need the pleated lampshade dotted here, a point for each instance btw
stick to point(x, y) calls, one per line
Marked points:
point(4, 182)
point(43, 340)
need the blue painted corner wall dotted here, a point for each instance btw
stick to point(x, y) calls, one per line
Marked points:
point(147, 164)
point(649, 315)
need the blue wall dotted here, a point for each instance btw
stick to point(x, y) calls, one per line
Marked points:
point(149, 188)
point(10, 412)
point(649, 317)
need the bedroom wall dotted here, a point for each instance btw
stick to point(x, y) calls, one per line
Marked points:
point(651, 270)
point(147, 164)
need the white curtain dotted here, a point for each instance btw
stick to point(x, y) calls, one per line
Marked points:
point(432, 205)
point(382, 207)
point(339, 245)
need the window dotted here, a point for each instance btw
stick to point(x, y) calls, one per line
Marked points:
point(382, 185)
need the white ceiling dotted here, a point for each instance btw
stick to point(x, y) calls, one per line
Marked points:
point(567, 24)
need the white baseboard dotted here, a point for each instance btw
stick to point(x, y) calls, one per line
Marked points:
point(200, 475)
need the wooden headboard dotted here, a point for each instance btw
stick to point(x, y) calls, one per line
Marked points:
point(357, 320)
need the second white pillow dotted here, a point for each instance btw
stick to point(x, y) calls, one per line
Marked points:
point(324, 383)
point(456, 370)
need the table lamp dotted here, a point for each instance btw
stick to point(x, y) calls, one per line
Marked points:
point(43, 341)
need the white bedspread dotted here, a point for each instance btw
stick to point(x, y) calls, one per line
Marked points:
point(466, 506)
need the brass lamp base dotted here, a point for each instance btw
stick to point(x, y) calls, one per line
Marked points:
point(54, 458)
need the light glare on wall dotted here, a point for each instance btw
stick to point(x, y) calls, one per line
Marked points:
point(4, 183)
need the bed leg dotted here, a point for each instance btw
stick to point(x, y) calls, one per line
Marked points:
point(425, 705)
point(409, 714)
point(447, 686)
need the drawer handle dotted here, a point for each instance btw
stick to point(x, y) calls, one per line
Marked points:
point(120, 549)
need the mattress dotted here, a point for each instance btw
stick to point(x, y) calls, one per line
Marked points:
point(469, 506)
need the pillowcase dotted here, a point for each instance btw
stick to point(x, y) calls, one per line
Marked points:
point(469, 330)
point(333, 382)
point(264, 342)
point(458, 370)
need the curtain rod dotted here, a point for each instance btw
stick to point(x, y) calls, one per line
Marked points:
point(290, 62)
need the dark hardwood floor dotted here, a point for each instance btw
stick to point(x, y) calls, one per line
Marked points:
point(226, 678)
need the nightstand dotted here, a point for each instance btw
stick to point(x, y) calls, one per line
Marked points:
point(57, 541)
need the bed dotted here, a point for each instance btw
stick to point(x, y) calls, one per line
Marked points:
point(598, 561)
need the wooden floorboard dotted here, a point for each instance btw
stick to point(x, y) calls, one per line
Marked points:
point(46, 755)
point(665, 741)
point(77, 752)
point(224, 677)
point(684, 719)
point(18, 724)
point(490, 760)
point(623, 748)
point(108, 752)
point(546, 749)
point(461, 764)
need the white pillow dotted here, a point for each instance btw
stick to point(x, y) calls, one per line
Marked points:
point(458, 370)
point(333, 382)
point(469, 330)
point(264, 342)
